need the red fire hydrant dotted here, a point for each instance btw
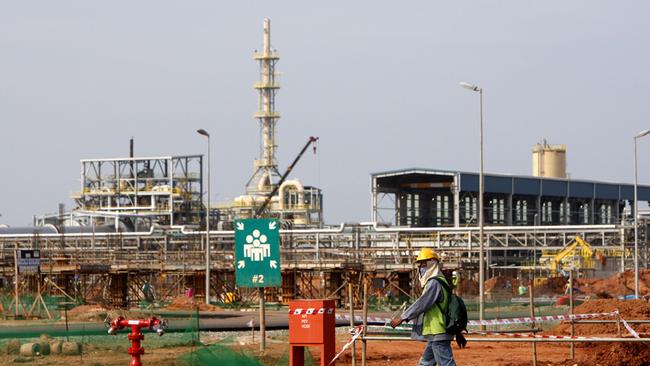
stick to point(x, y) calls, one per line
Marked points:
point(136, 336)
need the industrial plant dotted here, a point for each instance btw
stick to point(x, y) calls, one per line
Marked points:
point(141, 216)
point(141, 223)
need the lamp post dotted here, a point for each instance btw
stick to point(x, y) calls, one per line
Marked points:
point(207, 224)
point(636, 215)
point(481, 259)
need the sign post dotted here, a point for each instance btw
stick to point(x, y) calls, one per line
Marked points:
point(26, 261)
point(29, 261)
point(16, 282)
point(257, 259)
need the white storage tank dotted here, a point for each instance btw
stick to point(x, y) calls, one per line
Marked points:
point(549, 161)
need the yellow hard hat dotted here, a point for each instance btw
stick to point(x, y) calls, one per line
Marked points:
point(426, 254)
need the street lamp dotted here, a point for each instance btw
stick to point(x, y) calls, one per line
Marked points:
point(207, 224)
point(636, 215)
point(481, 259)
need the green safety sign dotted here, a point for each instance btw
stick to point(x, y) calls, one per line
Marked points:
point(257, 253)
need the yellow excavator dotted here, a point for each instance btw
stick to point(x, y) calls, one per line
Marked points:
point(578, 254)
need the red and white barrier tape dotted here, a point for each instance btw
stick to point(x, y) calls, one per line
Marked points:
point(371, 319)
point(538, 319)
point(628, 327)
point(582, 316)
point(311, 311)
point(356, 333)
point(527, 335)
point(505, 321)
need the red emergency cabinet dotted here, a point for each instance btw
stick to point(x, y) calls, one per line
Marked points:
point(311, 323)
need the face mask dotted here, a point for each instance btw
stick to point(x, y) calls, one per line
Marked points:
point(423, 270)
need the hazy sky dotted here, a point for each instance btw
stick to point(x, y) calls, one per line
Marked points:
point(377, 81)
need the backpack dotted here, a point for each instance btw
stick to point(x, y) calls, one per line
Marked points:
point(455, 316)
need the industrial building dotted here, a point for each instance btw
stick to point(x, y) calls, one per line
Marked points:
point(141, 191)
point(432, 198)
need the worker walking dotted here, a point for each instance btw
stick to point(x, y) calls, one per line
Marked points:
point(428, 313)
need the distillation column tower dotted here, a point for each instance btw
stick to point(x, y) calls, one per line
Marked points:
point(266, 172)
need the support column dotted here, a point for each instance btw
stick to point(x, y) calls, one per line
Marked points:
point(456, 194)
point(566, 210)
point(509, 209)
point(373, 199)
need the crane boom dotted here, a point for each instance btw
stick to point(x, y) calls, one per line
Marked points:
point(261, 209)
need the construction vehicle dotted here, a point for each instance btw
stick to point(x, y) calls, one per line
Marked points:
point(578, 254)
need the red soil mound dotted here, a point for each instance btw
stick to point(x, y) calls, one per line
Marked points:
point(186, 303)
point(467, 287)
point(87, 313)
point(617, 285)
point(553, 286)
point(94, 313)
point(83, 309)
point(499, 283)
point(630, 309)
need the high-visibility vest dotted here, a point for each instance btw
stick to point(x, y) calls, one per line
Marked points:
point(434, 321)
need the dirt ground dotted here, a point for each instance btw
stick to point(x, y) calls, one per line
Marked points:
point(386, 354)
point(475, 354)
point(391, 354)
point(549, 354)
point(383, 353)
point(511, 354)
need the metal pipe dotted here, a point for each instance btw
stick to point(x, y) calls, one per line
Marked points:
point(481, 256)
point(183, 229)
point(207, 224)
point(365, 322)
point(207, 235)
point(16, 298)
point(354, 345)
point(394, 332)
point(532, 315)
point(338, 230)
point(521, 340)
point(636, 227)
point(577, 228)
point(262, 320)
point(573, 349)
point(636, 217)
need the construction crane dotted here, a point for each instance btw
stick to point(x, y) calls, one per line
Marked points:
point(266, 202)
point(586, 253)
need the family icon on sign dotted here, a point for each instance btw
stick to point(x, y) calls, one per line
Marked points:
point(256, 247)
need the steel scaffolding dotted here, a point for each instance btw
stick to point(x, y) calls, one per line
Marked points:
point(142, 191)
point(314, 261)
